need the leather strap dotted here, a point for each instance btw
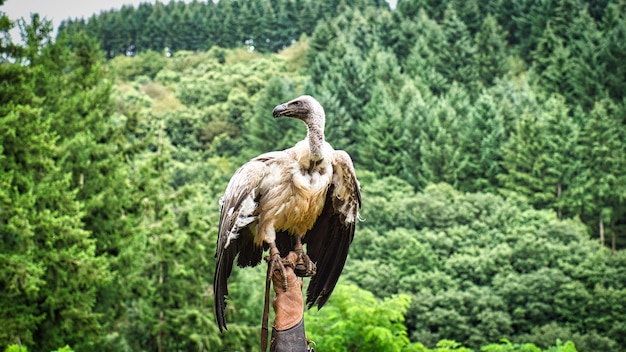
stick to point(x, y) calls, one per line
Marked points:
point(266, 311)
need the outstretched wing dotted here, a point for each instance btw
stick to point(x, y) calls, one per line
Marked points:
point(235, 237)
point(329, 240)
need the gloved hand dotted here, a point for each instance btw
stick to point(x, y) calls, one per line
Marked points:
point(288, 332)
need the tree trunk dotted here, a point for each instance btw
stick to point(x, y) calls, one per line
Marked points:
point(613, 236)
point(161, 314)
point(601, 229)
point(558, 198)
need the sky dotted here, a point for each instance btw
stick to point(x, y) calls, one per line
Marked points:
point(58, 10)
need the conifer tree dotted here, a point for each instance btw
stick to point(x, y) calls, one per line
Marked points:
point(51, 272)
point(155, 35)
point(434, 151)
point(412, 102)
point(584, 68)
point(270, 36)
point(481, 139)
point(175, 23)
point(613, 50)
point(540, 158)
point(339, 124)
point(263, 129)
point(491, 51)
point(424, 60)
point(550, 62)
point(604, 185)
point(229, 35)
point(210, 25)
point(458, 61)
point(469, 13)
point(384, 137)
point(170, 311)
point(340, 67)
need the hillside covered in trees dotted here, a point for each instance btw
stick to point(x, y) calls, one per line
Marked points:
point(489, 139)
point(266, 26)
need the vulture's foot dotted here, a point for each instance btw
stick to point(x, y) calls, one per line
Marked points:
point(275, 263)
point(304, 266)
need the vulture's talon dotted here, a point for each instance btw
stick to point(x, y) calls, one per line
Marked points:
point(304, 266)
point(276, 264)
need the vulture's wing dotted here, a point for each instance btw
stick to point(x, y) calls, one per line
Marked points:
point(330, 238)
point(237, 213)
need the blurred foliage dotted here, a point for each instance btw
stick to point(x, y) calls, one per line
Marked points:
point(357, 321)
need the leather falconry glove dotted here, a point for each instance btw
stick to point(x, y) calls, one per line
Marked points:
point(288, 330)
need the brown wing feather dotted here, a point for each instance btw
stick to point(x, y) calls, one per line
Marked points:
point(328, 242)
point(241, 186)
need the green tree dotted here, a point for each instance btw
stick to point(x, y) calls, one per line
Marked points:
point(584, 79)
point(385, 137)
point(458, 62)
point(613, 49)
point(168, 310)
point(51, 270)
point(491, 51)
point(602, 153)
point(481, 141)
point(436, 151)
point(354, 320)
point(542, 157)
point(469, 260)
point(550, 62)
point(424, 60)
point(154, 37)
point(263, 127)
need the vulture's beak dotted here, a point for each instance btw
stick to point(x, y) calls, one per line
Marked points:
point(280, 110)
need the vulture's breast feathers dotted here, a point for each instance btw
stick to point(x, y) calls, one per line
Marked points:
point(295, 190)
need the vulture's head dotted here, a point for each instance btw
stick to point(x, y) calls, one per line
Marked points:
point(304, 108)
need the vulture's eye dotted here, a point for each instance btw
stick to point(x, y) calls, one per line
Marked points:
point(297, 103)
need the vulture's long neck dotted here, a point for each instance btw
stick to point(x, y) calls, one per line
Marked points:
point(315, 136)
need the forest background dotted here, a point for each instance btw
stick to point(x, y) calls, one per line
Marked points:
point(488, 136)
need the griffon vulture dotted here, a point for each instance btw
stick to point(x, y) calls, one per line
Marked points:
point(279, 200)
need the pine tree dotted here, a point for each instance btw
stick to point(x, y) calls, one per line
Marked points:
point(458, 61)
point(491, 51)
point(155, 35)
point(423, 60)
point(481, 141)
point(584, 68)
point(541, 159)
point(525, 22)
point(270, 37)
point(469, 13)
point(434, 154)
point(170, 310)
point(249, 19)
point(613, 50)
point(384, 137)
point(550, 62)
point(229, 32)
point(310, 12)
point(51, 272)
point(176, 25)
point(262, 136)
point(413, 107)
point(564, 15)
point(604, 186)
point(339, 124)
point(341, 67)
